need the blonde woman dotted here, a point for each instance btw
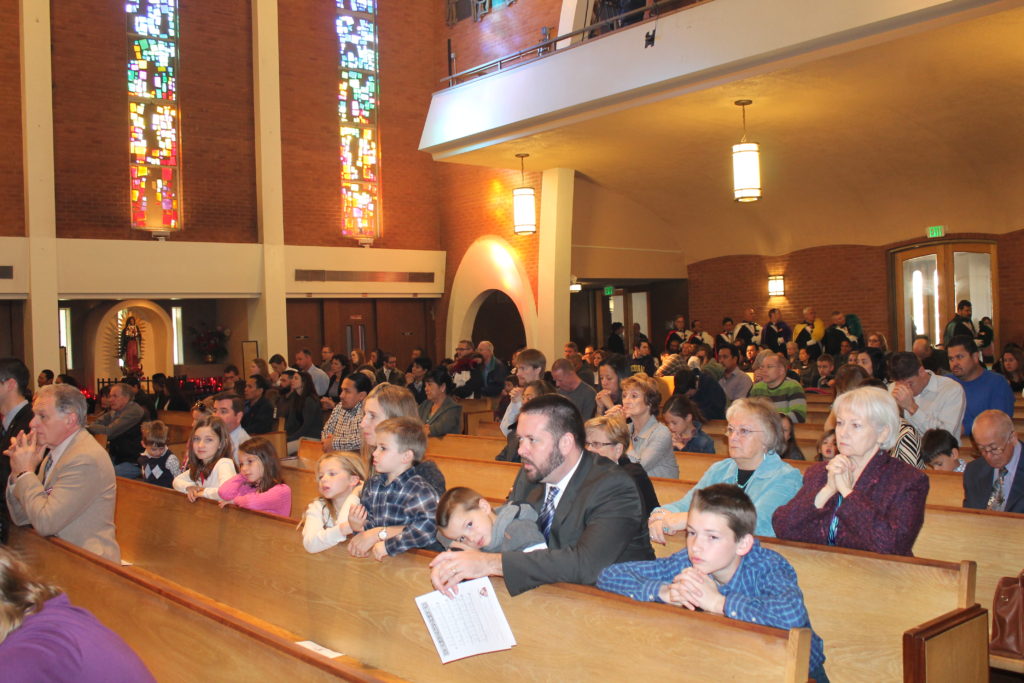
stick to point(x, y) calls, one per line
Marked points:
point(384, 402)
point(650, 440)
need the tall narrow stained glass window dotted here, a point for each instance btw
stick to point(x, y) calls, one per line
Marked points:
point(154, 130)
point(357, 115)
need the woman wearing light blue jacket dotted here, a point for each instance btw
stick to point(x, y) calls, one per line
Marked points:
point(755, 439)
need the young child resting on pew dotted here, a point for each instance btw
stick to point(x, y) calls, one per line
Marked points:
point(259, 486)
point(159, 465)
point(467, 519)
point(209, 460)
point(397, 507)
point(724, 570)
point(339, 477)
point(941, 451)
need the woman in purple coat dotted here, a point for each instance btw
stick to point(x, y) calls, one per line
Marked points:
point(862, 498)
point(43, 637)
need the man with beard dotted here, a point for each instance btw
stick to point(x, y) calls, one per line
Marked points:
point(589, 509)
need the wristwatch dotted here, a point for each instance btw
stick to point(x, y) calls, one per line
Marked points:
point(383, 534)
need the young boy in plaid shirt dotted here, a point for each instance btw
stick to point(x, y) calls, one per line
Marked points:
point(398, 507)
point(724, 570)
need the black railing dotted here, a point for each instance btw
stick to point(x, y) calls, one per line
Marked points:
point(546, 47)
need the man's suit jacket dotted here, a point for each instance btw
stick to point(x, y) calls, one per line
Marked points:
point(77, 503)
point(18, 424)
point(978, 478)
point(599, 521)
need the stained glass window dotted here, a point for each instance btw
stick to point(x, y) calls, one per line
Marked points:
point(356, 25)
point(154, 133)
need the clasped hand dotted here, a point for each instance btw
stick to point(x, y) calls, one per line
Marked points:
point(25, 452)
point(693, 589)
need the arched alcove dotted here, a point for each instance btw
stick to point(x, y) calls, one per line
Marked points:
point(489, 264)
point(498, 321)
point(101, 338)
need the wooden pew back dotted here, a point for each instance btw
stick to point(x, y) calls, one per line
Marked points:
point(152, 615)
point(256, 563)
point(861, 603)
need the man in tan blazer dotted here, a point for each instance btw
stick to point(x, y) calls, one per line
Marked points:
point(73, 497)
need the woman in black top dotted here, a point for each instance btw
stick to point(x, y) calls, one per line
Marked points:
point(608, 436)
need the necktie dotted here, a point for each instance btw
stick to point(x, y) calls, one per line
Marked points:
point(998, 499)
point(46, 470)
point(547, 513)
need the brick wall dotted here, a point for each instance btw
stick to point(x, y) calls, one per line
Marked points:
point(309, 121)
point(503, 31)
point(851, 278)
point(12, 191)
point(90, 116)
point(1011, 287)
point(477, 201)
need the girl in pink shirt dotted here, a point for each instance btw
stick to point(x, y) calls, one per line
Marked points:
point(259, 486)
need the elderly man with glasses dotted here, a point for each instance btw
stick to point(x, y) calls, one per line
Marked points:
point(995, 481)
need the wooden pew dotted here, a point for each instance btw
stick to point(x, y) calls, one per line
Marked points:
point(256, 563)
point(862, 604)
point(491, 479)
point(152, 615)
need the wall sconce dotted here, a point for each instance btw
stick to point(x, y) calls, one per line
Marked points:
point(776, 285)
point(524, 203)
point(746, 164)
point(575, 286)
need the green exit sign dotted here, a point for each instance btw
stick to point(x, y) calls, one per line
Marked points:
point(609, 290)
point(936, 230)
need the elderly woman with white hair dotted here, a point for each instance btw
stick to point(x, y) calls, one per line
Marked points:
point(862, 498)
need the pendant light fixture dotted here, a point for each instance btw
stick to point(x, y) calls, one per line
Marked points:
point(746, 164)
point(524, 203)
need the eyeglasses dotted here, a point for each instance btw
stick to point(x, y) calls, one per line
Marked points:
point(994, 447)
point(591, 445)
point(742, 432)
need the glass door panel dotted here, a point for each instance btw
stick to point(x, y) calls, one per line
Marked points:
point(972, 280)
point(921, 294)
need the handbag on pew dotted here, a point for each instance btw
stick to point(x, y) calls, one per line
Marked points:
point(1008, 617)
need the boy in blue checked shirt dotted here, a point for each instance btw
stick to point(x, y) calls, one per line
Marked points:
point(724, 570)
point(397, 508)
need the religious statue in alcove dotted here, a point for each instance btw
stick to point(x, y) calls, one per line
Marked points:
point(131, 347)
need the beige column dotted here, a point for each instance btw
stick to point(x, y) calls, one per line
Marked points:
point(268, 322)
point(41, 326)
point(554, 262)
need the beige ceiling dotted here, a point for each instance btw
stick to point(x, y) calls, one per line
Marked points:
point(865, 147)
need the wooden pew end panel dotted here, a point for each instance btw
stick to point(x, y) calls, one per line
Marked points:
point(950, 649)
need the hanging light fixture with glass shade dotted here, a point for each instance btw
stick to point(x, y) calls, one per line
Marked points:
point(524, 203)
point(575, 286)
point(746, 164)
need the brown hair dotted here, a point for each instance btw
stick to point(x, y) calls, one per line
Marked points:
point(267, 455)
point(20, 596)
point(648, 387)
point(155, 433)
point(458, 498)
point(729, 501)
point(197, 470)
point(409, 436)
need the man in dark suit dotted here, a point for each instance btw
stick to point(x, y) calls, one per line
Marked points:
point(589, 509)
point(17, 414)
point(995, 481)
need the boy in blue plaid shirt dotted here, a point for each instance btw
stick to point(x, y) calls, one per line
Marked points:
point(398, 507)
point(724, 570)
